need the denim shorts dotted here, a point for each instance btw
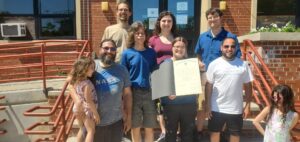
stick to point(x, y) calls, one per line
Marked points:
point(143, 109)
point(234, 122)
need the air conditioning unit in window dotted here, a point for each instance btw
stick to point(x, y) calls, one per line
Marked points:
point(13, 29)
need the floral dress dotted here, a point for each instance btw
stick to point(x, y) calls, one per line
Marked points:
point(80, 92)
point(276, 131)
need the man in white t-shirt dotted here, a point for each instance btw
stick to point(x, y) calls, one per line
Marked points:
point(224, 92)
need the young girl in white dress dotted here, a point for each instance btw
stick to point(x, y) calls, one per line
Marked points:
point(281, 116)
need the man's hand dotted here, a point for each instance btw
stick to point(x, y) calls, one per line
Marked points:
point(208, 112)
point(201, 66)
point(127, 125)
point(97, 118)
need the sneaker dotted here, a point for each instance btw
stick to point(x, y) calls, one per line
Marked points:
point(200, 136)
point(161, 138)
point(178, 138)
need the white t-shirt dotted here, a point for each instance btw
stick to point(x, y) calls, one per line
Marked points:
point(228, 78)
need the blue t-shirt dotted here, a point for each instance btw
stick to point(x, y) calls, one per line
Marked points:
point(209, 47)
point(140, 64)
point(109, 84)
point(188, 99)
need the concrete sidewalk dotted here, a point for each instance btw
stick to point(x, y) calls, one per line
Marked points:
point(249, 134)
point(52, 84)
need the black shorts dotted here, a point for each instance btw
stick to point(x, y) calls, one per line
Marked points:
point(234, 122)
point(109, 133)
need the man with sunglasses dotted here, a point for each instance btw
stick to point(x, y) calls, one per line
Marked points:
point(113, 89)
point(226, 77)
point(207, 50)
point(118, 32)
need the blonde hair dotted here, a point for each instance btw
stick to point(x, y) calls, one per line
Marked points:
point(79, 69)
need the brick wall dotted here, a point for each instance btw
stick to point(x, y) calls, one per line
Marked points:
point(97, 20)
point(283, 59)
point(237, 16)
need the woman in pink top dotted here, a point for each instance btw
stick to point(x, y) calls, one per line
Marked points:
point(163, 35)
point(161, 42)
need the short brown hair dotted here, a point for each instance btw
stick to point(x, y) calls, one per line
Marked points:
point(212, 11)
point(123, 2)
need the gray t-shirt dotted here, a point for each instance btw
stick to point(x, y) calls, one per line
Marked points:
point(109, 83)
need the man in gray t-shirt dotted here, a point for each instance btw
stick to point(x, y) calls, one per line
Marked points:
point(114, 94)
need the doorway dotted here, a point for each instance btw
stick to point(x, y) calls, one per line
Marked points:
point(187, 13)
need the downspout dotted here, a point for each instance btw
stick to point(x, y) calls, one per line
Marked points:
point(88, 20)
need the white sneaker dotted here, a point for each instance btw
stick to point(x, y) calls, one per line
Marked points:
point(161, 138)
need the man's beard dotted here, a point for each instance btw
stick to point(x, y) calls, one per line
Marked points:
point(228, 57)
point(107, 59)
point(123, 18)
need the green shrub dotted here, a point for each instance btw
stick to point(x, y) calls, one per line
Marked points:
point(289, 27)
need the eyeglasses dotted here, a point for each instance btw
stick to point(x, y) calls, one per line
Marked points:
point(213, 17)
point(177, 47)
point(227, 46)
point(106, 48)
point(137, 33)
point(123, 9)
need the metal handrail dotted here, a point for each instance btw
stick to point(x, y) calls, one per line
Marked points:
point(62, 124)
point(247, 56)
point(265, 67)
point(2, 132)
point(43, 46)
point(62, 108)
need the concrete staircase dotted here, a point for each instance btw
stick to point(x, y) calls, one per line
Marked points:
point(19, 97)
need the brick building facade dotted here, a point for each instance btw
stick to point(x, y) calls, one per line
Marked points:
point(239, 18)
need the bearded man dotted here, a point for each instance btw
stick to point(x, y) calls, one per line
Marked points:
point(226, 78)
point(118, 32)
point(113, 89)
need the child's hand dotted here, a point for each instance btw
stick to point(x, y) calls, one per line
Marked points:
point(97, 118)
point(172, 97)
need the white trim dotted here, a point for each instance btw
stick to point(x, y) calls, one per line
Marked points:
point(78, 19)
point(205, 5)
point(271, 36)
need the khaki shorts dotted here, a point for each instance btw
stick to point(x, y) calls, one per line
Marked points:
point(143, 109)
point(201, 97)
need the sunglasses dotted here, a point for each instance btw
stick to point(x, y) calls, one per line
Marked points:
point(277, 97)
point(227, 46)
point(106, 48)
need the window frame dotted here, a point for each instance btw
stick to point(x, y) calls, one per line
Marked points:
point(38, 19)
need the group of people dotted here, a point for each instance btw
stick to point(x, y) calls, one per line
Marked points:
point(112, 94)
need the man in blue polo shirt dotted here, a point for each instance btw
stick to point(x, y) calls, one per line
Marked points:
point(208, 49)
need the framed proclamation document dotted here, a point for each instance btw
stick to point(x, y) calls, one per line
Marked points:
point(187, 77)
point(179, 78)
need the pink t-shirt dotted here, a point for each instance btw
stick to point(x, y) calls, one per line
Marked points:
point(163, 51)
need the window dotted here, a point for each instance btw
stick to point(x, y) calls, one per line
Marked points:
point(276, 11)
point(48, 18)
point(57, 7)
point(53, 27)
point(186, 13)
point(16, 7)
